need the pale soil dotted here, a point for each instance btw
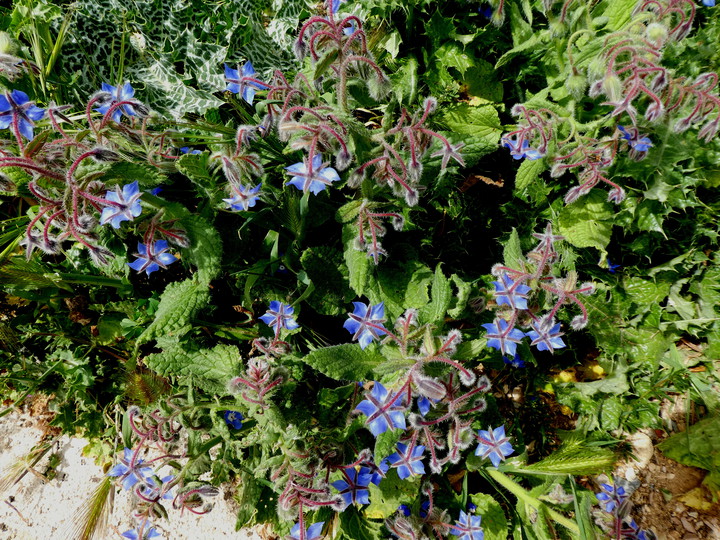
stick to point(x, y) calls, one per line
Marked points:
point(39, 509)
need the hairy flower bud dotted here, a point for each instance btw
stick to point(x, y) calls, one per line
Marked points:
point(6, 184)
point(612, 87)
point(596, 68)
point(656, 33)
point(576, 85)
point(104, 155)
point(430, 104)
point(654, 112)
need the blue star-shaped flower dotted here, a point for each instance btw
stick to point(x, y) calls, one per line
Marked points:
point(366, 323)
point(233, 419)
point(238, 82)
point(408, 461)
point(354, 487)
point(494, 444)
point(546, 336)
point(612, 267)
point(632, 136)
point(515, 362)
point(313, 532)
point(149, 260)
point(244, 197)
point(384, 411)
point(134, 534)
point(521, 150)
point(404, 509)
point(501, 337)
point(312, 176)
point(507, 292)
point(191, 151)
point(350, 29)
point(467, 527)
point(130, 473)
point(280, 316)
point(17, 105)
point(709, 3)
point(611, 497)
point(126, 205)
point(118, 94)
point(424, 405)
point(336, 5)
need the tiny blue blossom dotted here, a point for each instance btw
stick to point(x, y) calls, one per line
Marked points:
point(515, 361)
point(471, 507)
point(612, 267)
point(501, 337)
point(546, 336)
point(709, 3)
point(314, 531)
point(126, 208)
point(494, 444)
point(354, 487)
point(507, 292)
point(234, 419)
point(366, 323)
point(467, 527)
point(611, 497)
point(384, 411)
point(149, 260)
point(311, 176)
point(130, 473)
point(424, 405)
point(17, 104)
point(336, 5)
point(191, 151)
point(237, 83)
point(424, 507)
point(351, 28)
point(244, 197)
point(118, 93)
point(147, 533)
point(521, 150)
point(280, 316)
point(632, 136)
point(404, 509)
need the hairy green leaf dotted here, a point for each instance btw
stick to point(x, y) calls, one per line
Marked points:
point(346, 362)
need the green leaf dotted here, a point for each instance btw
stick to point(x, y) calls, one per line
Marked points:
point(441, 294)
point(125, 172)
point(391, 493)
point(210, 369)
point(512, 251)
point(588, 221)
point(346, 362)
point(619, 13)
point(348, 212)
point(358, 263)
point(698, 447)
point(332, 289)
point(451, 55)
point(197, 168)
point(459, 301)
point(494, 522)
point(356, 527)
point(247, 496)
point(528, 174)
point(405, 81)
point(178, 305)
point(205, 249)
point(385, 444)
point(480, 122)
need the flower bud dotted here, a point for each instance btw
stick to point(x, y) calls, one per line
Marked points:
point(654, 112)
point(612, 87)
point(576, 85)
point(656, 33)
point(557, 28)
point(596, 68)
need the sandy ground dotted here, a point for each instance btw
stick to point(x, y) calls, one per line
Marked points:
point(39, 509)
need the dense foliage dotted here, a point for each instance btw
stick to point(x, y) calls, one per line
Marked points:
point(409, 269)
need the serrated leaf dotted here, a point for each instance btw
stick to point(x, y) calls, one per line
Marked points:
point(529, 173)
point(452, 55)
point(494, 522)
point(458, 302)
point(178, 305)
point(205, 249)
point(247, 495)
point(619, 13)
point(441, 294)
point(197, 168)
point(480, 122)
point(209, 369)
point(574, 459)
point(587, 222)
point(385, 444)
point(125, 172)
point(469, 350)
point(358, 263)
point(698, 447)
point(512, 251)
point(346, 362)
point(348, 212)
point(405, 81)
